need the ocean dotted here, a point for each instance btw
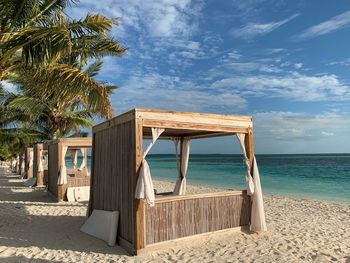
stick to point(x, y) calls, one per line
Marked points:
point(312, 176)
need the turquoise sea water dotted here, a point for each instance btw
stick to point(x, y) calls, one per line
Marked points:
point(316, 176)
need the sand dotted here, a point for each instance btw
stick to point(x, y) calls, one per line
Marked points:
point(35, 229)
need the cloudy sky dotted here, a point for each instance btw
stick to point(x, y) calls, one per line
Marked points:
point(286, 63)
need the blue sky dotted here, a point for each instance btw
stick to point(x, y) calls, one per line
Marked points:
point(286, 63)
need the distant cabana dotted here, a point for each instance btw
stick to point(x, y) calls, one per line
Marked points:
point(28, 162)
point(121, 178)
point(68, 184)
point(40, 163)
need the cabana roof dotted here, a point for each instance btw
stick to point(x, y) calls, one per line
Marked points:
point(183, 124)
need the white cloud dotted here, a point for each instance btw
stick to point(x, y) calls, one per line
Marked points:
point(327, 133)
point(166, 18)
point(343, 62)
point(298, 65)
point(299, 132)
point(291, 126)
point(296, 87)
point(252, 30)
point(152, 90)
point(110, 67)
point(333, 24)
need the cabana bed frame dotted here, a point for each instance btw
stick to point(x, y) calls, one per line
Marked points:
point(116, 160)
point(75, 177)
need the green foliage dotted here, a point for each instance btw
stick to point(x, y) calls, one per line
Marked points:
point(53, 60)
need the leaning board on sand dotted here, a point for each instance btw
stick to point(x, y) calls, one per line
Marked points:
point(121, 179)
point(59, 177)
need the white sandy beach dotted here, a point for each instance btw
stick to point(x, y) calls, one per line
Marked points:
point(34, 229)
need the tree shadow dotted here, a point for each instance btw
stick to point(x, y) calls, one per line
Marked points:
point(22, 259)
point(29, 219)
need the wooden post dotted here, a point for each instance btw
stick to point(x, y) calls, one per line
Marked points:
point(181, 143)
point(249, 146)
point(139, 205)
point(92, 173)
point(60, 193)
point(40, 178)
point(60, 188)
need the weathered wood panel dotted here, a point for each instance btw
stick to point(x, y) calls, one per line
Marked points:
point(113, 165)
point(53, 168)
point(36, 149)
point(139, 205)
point(173, 219)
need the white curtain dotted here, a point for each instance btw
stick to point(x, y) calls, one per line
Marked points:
point(74, 156)
point(258, 214)
point(31, 159)
point(14, 164)
point(257, 220)
point(40, 161)
point(22, 166)
point(248, 176)
point(144, 186)
point(180, 186)
point(62, 178)
point(83, 162)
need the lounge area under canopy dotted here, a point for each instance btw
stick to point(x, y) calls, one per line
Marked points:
point(123, 182)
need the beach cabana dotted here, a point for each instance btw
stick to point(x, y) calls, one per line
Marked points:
point(40, 163)
point(62, 179)
point(121, 178)
point(28, 166)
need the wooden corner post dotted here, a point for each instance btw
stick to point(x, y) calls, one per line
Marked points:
point(92, 175)
point(249, 146)
point(139, 204)
point(60, 188)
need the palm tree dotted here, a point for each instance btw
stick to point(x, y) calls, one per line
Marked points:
point(36, 33)
point(45, 54)
point(55, 110)
point(13, 138)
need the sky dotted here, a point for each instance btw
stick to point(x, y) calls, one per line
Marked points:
point(286, 63)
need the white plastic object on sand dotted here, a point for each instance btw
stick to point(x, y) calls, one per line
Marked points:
point(103, 225)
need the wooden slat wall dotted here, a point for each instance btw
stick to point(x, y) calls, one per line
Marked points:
point(53, 168)
point(181, 218)
point(112, 169)
point(36, 150)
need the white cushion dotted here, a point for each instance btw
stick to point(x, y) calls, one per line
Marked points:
point(76, 194)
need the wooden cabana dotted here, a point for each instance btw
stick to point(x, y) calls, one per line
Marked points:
point(40, 164)
point(28, 164)
point(60, 178)
point(120, 178)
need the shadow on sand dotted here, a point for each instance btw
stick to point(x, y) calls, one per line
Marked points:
point(20, 228)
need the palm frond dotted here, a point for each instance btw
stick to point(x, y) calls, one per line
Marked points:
point(94, 68)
